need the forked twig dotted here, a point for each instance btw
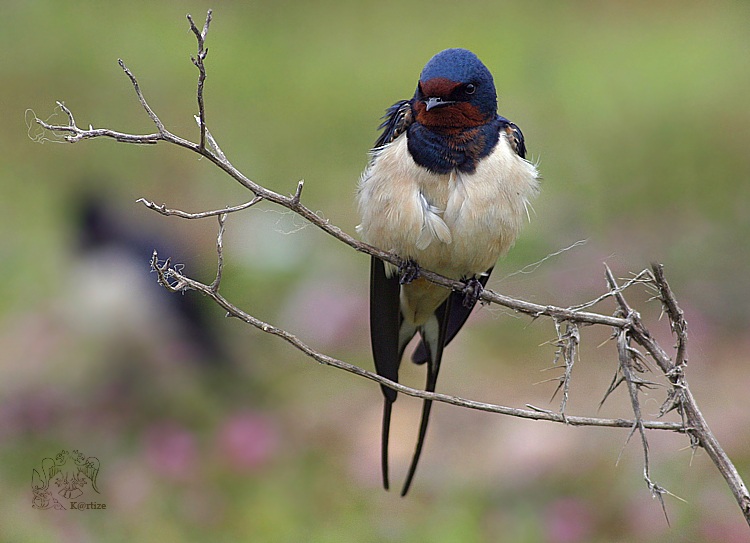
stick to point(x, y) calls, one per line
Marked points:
point(198, 61)
point(163, 210)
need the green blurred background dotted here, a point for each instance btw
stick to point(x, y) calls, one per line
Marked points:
point(638, 115)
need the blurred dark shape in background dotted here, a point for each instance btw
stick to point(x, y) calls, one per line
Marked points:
point(119, 249)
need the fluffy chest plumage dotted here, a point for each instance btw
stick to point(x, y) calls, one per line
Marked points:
point(457, 223)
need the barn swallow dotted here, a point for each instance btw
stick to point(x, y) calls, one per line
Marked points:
point(446, 189)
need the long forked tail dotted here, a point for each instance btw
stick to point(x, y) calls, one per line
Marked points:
point(420, 442)
point(387, 407)
point(435, 349)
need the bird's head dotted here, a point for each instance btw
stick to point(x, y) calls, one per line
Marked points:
point(455, 92)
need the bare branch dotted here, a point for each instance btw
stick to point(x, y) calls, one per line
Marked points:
point(164, 274)
point(567, 351)
point(293, 203)
point(297, 194)
point(163, 210)
point(210, 140)
point(176, 281)
point(628, 363)
point(676, 315)
point(699, 430)
point(141, 98)
point(198, 61)
point(75, 134)
point(643, 276)
point(219, 253)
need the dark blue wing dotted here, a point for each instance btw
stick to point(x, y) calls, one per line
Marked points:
point(515, 136)
point(385, 321)
point(396, 120)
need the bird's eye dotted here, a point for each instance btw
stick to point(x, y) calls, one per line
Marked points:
point(470, 88)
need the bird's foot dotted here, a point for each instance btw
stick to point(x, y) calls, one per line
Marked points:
point(472, 291)
point(408, 271)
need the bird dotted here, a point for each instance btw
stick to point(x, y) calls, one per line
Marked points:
point(113, 255)
point(447, 189)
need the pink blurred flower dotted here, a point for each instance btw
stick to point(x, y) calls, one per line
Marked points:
point(247, 440)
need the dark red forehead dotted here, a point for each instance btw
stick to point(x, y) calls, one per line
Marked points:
point(438, 86)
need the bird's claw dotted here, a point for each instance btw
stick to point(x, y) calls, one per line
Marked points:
point(472, 291)
point(408, 271)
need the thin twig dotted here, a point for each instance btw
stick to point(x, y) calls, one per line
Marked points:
point(76, 134)
point(163, 210)
point(567, 351)
point(210, 139)
point(198, 61)
point(297, 194)
point(141, 98)
point(641, 277)
point(219, 253)
point(676, 315)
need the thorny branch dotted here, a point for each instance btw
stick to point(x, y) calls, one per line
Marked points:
point(629, 365)
point(567, 350)
point(626, 323)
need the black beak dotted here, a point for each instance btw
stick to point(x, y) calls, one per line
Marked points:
point(434, 101)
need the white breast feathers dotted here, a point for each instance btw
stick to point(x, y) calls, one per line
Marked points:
point(456, 224)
